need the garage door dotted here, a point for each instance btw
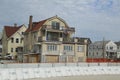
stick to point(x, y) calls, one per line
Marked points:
point(70, 58)
point(52, 59)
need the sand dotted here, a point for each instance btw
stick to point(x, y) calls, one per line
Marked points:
point(87, 77)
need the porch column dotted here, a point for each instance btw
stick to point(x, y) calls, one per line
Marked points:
point(43, 59)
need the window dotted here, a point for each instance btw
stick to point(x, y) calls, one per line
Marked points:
point(17, 40)
point(111, 48)
point(55, 25)
point(12, 40)
point(89, 53)
point(11, 49)
point(52, 48)
point(68, 48)
point(80, 49)
point(22, 33)
point(97, 53)
point(16, 49)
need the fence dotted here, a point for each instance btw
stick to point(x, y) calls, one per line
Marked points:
point(38, 65)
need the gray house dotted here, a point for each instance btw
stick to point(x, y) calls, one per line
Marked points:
point(102, 50)
point(118, 49)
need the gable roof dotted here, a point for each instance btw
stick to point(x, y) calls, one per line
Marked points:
point(10, 30)
point(36, 25)
point(100, 42)
point(117, 43)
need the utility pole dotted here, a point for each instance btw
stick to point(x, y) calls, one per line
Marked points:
point(103, 49)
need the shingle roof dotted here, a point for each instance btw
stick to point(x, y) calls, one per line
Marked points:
point(36, 25)
point(10, 30)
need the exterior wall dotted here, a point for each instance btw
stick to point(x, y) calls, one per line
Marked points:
point(49, 22)
point(81, 55)
point(14, 45)
point(72, 56)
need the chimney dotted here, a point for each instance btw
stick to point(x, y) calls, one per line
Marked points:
point(30, 22)
point(15, 25)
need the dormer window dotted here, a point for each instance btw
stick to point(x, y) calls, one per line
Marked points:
point(55, 25)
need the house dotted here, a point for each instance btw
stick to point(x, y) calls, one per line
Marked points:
point(101, 51)
point(12, 39)
point(51, 40)
point(118, 49)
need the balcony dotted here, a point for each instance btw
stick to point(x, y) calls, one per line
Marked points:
point(66, 53)
point(57, 28)
point(52, 29)
point(72, 29)
point(52, 52)
point(40, 39)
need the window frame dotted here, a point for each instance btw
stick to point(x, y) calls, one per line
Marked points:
point(80, 48)
point(12, 40)
point(17, 40)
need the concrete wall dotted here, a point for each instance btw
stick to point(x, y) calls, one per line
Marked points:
point(36, 65)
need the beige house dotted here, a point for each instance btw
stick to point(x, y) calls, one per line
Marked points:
point(51, 40)
point(12, 39)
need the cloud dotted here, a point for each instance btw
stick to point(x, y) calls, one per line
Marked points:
point(91, 18)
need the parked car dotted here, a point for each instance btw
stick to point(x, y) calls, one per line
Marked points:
point(8, 57)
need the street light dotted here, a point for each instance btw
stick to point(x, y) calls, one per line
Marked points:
point(60, 57)
point(65, 57)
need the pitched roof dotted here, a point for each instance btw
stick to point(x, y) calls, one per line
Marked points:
point(117, 43)
point(100, 42)
point(36, 25)
point(10, 30)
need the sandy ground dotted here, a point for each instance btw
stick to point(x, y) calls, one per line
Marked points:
point(92, 77)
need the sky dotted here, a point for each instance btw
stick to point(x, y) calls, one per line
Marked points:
point(94, 19)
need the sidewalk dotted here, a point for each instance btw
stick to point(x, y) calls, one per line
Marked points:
point(99, 77)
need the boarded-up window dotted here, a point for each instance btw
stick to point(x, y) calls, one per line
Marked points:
point(52, 59)
point(80, 59)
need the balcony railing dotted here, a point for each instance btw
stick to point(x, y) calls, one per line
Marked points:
point(50, 27)
point(52, 52)
point(52, 39)
point(71, 29)
point(43, 38)
point(68, 52)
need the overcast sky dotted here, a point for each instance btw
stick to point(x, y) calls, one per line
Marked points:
point(94, 19)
